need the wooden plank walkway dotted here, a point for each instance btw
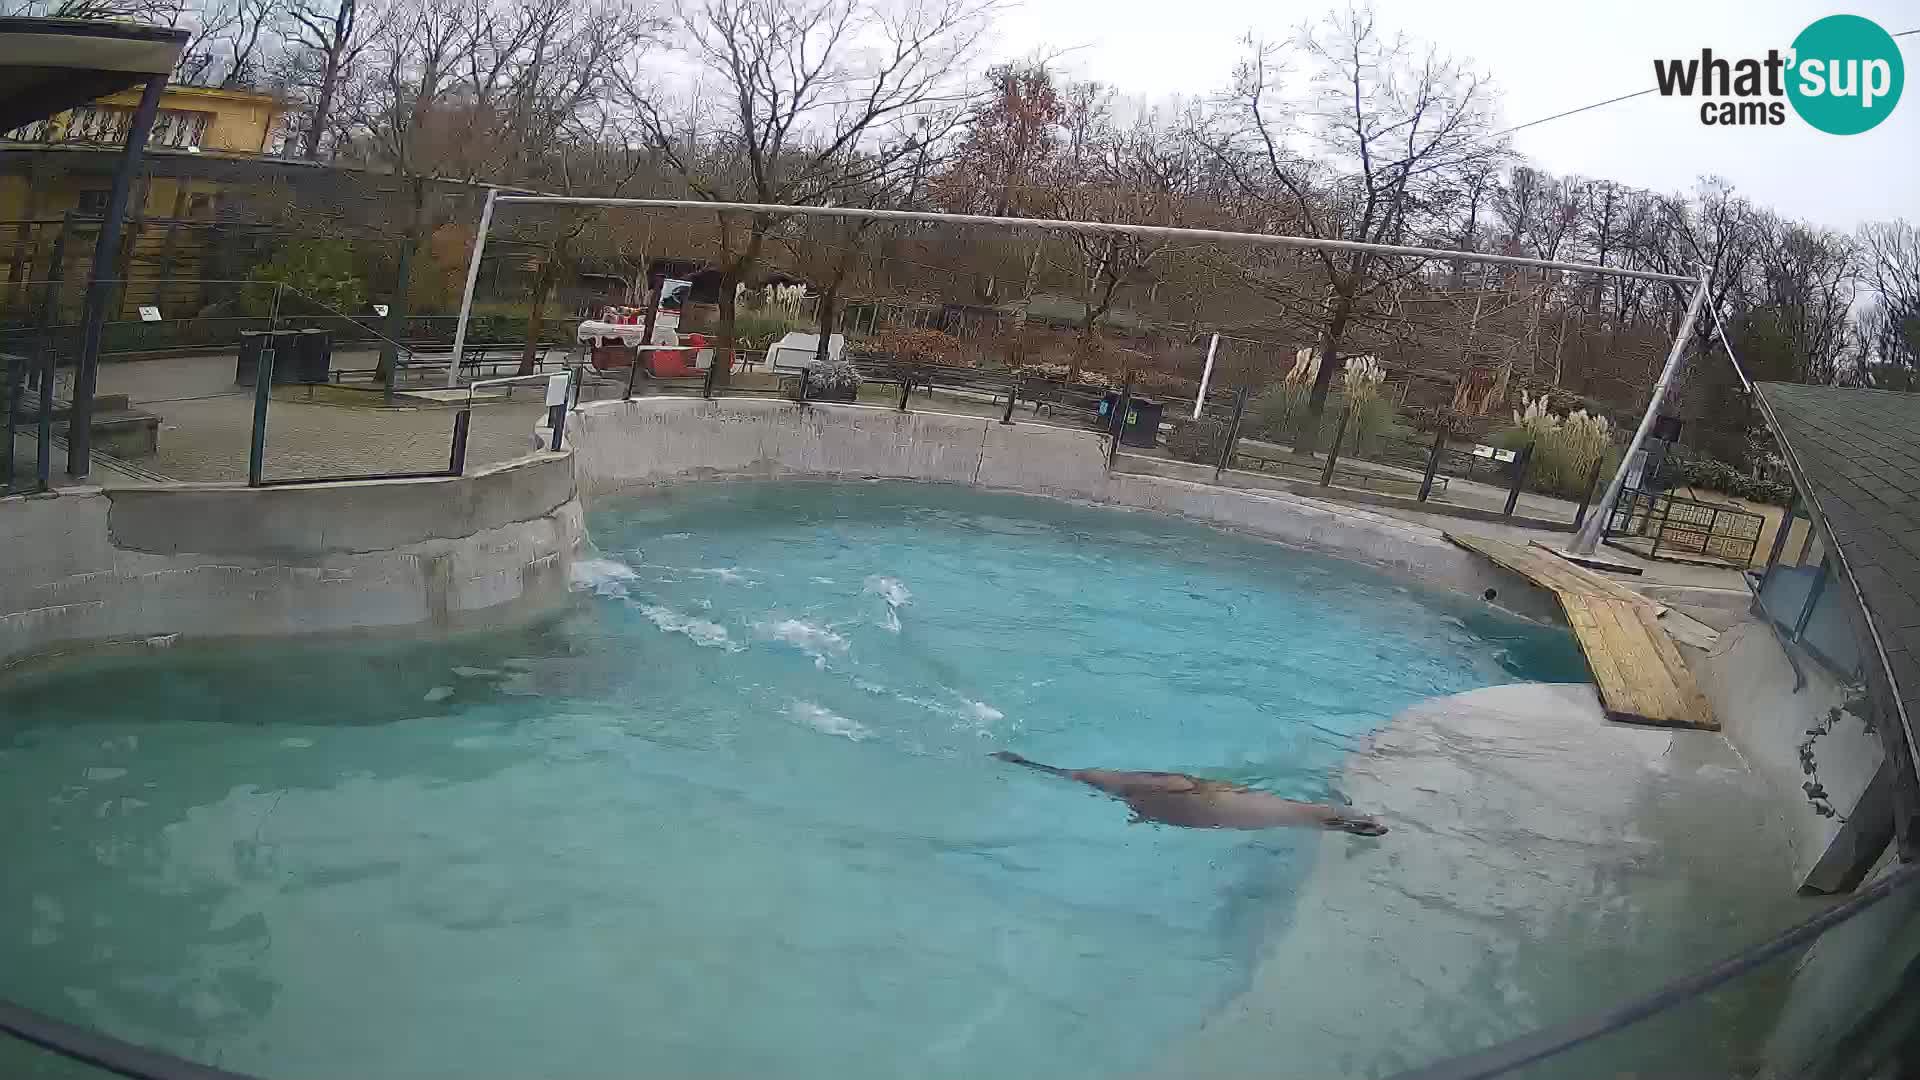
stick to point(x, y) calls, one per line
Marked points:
point(1640, 673)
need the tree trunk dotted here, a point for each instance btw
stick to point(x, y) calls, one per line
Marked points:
point(1329, 349)
point(322, 109)
point(536, 316)
point(829, 303)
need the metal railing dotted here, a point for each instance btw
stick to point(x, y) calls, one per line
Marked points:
point(1661, 525)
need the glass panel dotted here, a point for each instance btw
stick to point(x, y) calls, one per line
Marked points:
point(1830, 631)
point(1784, 592)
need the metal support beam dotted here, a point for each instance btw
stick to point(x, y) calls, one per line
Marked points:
point(1520, 463)
point(1588, 537)
point(1098, 228)
point(1333, 449)
point(466, 297)
point(99, 287)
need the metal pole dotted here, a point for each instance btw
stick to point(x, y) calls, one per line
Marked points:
point(1117, 423)
point(473, 278)
point(105, 251)
point(1333, 452)
point(1433, 458)
point(36, 371)
point(1206, 376)
point(262, 387)
point(1588, 537)
point(906, 388)
point(10, 401)
point(457, 460)
point(1013, 391)
point(43, 464)
point(1586, 493)
point(1233, 433)
point(1097, 228)
point(1520, 464)
point(262, 392)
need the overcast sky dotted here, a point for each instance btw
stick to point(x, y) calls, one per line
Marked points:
point(1547, 57)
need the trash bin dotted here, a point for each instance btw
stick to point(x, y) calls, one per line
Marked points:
point(312, 355)
point(1142, 427)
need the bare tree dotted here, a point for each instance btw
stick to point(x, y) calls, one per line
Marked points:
point(1890, 325)
point(333, 35)
point(228, 43)
point(1396, 131)
point(813, 98)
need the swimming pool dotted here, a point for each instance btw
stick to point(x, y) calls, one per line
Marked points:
point(731, 814)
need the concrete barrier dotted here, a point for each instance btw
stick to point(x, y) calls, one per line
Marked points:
point(662, 440)
point(91, 564)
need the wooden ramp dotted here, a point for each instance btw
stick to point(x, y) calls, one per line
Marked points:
point(1640, 673)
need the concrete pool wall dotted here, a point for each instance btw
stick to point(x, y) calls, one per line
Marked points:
point(661, 440)
point(90, 565)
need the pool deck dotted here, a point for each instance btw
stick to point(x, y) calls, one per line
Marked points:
point(1639, 671)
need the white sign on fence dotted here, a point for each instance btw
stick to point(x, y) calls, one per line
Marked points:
point(149, 313)
point(556, 389)
point(380, 310)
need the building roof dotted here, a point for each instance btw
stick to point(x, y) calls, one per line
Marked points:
point(51, 65)
point(1857, 454)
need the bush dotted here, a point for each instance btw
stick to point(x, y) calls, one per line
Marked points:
point(836, 377)
point(1164, 384)
point(1197, 440)
point(320, 270)
point(1374, 420)
point(1713, 474)
point(914, 345)
point(1274, 413)
point(759, 328)
point(1564, 448)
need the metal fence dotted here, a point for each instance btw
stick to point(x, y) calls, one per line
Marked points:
point(1661, 525)
point(180, 396)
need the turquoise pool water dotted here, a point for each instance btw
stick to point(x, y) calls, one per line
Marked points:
point(731, 814)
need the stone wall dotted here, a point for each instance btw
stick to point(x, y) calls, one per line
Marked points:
point(90, 564)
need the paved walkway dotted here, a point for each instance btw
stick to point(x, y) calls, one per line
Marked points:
point(206, 424)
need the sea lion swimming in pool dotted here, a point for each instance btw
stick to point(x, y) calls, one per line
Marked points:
point(1193, 803)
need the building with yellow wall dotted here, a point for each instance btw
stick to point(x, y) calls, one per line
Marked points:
point(209, 146)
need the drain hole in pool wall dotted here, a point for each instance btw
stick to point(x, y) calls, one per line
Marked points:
point(1489, 595)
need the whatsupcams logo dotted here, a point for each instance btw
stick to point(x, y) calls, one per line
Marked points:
point(1843, 75)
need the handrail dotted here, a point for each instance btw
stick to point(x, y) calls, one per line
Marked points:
point(506, 380)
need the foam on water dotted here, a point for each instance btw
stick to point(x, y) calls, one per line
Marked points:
point(827, 722)
point(700, 631)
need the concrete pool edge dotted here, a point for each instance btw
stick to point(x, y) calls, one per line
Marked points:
point(1514, 801)
point(99, 565)
point(621, 445)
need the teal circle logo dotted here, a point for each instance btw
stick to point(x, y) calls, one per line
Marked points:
point(1846, 75)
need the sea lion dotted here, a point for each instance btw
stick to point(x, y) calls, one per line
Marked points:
point(1193, 803)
